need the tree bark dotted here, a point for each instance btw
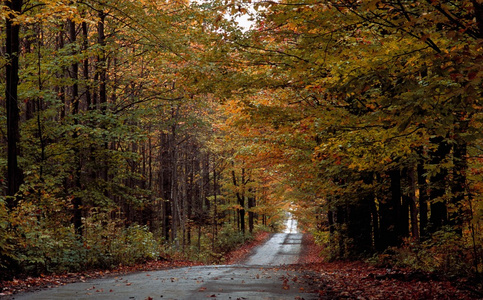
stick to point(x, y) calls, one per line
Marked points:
point(85, 63)
point(240, 199)
point(459, 185)
point(412, 202)
point(12, 49)
point(251, 214)
point(74, 73)
point(102, 62)
point(389, 212)
point(439, 216)
point(423, 199)
point(359, 228)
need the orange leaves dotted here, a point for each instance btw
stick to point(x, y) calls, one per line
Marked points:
point(360, 280)
point(237, 255)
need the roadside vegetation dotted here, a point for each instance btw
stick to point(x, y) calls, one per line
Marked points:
point(136, 131)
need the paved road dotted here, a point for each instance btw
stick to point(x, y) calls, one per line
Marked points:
point(281, 249)
point(267, 274)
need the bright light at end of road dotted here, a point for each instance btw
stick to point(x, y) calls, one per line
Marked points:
point(291, 225)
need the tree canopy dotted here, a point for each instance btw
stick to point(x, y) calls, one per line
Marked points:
point(166, 122)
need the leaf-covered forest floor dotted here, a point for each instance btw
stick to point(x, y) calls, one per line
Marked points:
point(360, 280)
point(336, 280)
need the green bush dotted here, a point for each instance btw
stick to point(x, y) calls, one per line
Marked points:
point(445, 253)
point(109, 243)
point(38, 243)
point(134, 245)
point(7, 239)
point(229, 238)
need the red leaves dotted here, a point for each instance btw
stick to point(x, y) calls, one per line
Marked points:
point(240, 253)
point(285, 284)
point(359, 280)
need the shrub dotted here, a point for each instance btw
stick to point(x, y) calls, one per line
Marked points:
point(229, 238)
point(445, 253)
point(135, 244)
point(109, 243)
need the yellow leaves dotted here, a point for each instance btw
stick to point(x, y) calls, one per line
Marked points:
point(50, 11)
point(372, 5)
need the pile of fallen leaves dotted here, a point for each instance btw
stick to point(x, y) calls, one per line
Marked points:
point(49, 281)
point(359, 280)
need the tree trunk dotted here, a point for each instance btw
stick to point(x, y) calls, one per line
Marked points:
point(388, 211)
point(251, 214)
point(439, 216)
point(412, 203)
point(102, 62)
point(12, 48)
point(359, 229)
point(423, 199)
point(459, 186)
point(240, 199)
point(85, 71)
point(76, 201)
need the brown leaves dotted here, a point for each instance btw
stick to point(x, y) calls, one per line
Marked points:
point(240, 253)
point(44, 281)
point(359, 280)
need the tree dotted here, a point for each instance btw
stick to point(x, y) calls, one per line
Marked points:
point(382, 90)
point(12, 52)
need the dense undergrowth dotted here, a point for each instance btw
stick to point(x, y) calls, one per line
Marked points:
point(26, 283)
point(383, 277)
point(446, 253)
point(37, 245)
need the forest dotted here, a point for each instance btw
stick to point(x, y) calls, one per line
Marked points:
point(143, 130)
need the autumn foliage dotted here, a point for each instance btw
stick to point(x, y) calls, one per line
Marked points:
point(369, 116)
point(141, 130)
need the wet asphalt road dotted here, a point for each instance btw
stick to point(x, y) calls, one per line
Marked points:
point(268, 273)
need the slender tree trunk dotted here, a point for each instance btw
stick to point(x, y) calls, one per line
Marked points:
point(330, 219)
point(215, 204)
point(85, 70)
point(60, 90)
point(404, 209)
point(251, 214)
point(459, 186)
point(439, 212)
point(240, 199)
point(376, 233)
point(412, 203)
point(165, 182)
point(39, 106)
point(359, 228)
point(12, 50)
point(341, 219)
point(423, 199)
point(389, 212)
point(76, 201)
point(102, 62)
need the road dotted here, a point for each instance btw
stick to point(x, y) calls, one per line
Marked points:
point(267, 274)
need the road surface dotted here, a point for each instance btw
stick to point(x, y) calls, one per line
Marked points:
point(267, 274)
